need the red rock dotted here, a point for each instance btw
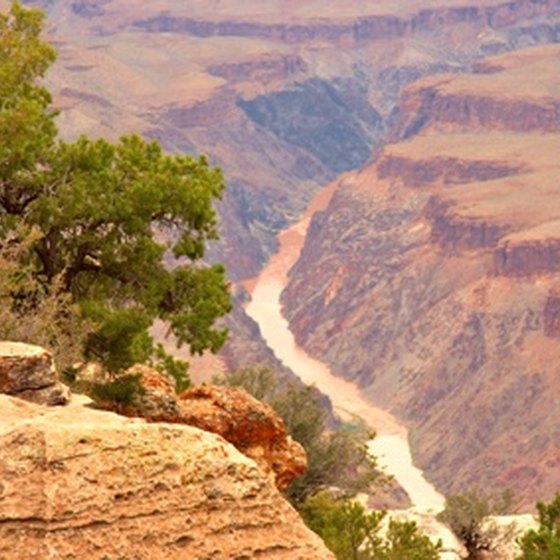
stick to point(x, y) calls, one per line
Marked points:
point(253, 427)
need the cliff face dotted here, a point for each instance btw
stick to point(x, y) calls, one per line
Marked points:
point(431, 280)
point(83, 483)
point(360, 29)
point(282, 99)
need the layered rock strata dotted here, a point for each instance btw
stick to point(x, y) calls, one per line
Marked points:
point(82, 483)
point(432, 278)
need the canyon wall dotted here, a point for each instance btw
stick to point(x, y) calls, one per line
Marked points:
point(432, 279)
point(284, 100)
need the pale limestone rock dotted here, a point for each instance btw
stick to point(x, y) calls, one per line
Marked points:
point(82, 483)
point(28, 372)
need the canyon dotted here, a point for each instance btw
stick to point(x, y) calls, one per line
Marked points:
point(429, 279)
point(435, 273)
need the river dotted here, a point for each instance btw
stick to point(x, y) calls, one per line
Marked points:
point(390, 445)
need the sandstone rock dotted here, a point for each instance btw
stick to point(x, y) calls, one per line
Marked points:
point(28, 372)
point(251, 426)
point(82, 483)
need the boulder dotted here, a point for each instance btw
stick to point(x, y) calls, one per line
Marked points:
point(28, 372)
point(83, 483)
point(252, 426)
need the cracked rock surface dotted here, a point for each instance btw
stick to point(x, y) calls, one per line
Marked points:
point(82, 483)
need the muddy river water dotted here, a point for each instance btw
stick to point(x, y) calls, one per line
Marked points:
point(390, 445)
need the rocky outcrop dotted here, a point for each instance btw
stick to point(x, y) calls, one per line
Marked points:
point(251, 426)
point(28, 372)
point(264, 69)
point(528, 258)
point(445, 170)
point(551, 315)
point(216, 109)
point(454, 103)
point(453, 231)
point(83, 483)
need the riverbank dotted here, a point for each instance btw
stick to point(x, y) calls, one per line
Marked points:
point(390, 445)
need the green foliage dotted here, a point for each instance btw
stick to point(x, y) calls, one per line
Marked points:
point(344, 525)
point(467, 515)
point(543, 543)
point(403, 540)
point(119, 394)
point(176, 369)
point(99, 213)
point(39, 313)
point(27, 126)
point(352, 533)
point(335, 457)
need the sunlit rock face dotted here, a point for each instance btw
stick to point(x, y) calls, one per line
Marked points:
point(253, 427)
point(81, 482)
point(434, 274)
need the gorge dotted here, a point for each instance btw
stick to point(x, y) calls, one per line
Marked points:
point(429, 280)
point(390, 444)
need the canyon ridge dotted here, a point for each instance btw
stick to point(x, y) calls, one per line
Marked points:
point(431, 279)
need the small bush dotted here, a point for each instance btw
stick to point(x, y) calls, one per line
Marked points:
point(352, 533)
point(467, 515)
point(121, 393)
point(544, 542)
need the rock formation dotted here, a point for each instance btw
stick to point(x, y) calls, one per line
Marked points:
point(83, 483)
point(76, 482)
point(251, 426)
point(28, 372)
point(434, 275)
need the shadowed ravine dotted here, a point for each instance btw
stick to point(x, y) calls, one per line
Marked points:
point(391, 444)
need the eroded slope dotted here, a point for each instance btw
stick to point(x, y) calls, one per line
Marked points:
point(432, 279)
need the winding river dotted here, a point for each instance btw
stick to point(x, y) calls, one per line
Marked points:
point(390, 445)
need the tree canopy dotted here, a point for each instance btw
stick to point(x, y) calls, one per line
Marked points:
point(97, 221)
point(544, 542)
